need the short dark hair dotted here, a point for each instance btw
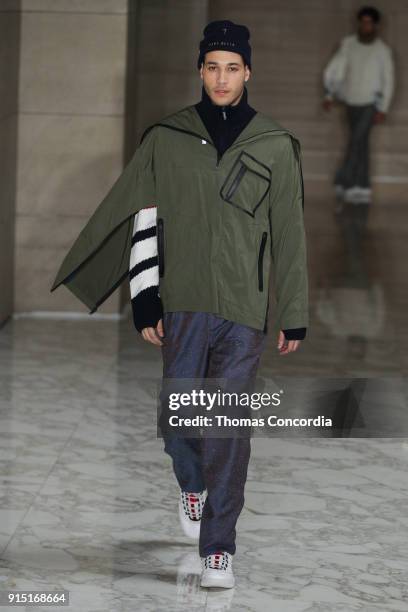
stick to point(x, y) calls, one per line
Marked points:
point(369, 11)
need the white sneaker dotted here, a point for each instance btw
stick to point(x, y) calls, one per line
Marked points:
point(358, 195)
point(190, 512)
point(217, 570)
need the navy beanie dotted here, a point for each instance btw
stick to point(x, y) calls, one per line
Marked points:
point(225, 36)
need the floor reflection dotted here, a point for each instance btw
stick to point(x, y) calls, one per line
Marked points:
point(358, 294)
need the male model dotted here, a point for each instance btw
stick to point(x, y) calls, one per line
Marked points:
point(212, 197)
point(361, 74)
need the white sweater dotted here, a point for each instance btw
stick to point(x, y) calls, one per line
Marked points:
point(361, 73)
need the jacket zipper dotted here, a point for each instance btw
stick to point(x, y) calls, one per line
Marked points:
point(224, 116)
point(236, 181)
point(160, 245)
point(260, 260)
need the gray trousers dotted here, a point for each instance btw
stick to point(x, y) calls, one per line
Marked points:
point(355, 171)
point(204, 345)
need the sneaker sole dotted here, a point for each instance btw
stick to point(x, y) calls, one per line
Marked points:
point(214, 580)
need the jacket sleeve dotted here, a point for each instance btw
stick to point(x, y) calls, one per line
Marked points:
point(98, 261)
point(147, 308)
point(335, 70)
point(288, 245)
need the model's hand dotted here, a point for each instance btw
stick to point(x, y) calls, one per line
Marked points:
point(287, 346)
point(327, 104)
point(153, 334)
point(379, 117)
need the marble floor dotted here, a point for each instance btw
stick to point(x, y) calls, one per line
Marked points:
point(88, 497)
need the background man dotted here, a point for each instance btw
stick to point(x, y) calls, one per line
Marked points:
point(361, 74)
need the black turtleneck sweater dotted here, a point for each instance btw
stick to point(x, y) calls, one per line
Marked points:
point(224, 124)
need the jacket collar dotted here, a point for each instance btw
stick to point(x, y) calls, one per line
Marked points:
point(234, 114)
point(189, 121)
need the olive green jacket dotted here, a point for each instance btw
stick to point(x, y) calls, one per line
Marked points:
point(222, 223)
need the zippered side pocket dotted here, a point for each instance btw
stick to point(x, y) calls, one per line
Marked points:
point(260, 260)
point(160, 245)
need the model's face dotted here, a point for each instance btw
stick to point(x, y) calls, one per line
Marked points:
point(224, 75)
point(367, 28)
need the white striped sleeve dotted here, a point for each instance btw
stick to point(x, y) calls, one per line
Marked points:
point(144, 270)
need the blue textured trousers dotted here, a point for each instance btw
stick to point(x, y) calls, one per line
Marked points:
point(204, 345)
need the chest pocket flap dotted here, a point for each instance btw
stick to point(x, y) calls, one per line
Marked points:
point(246, 184)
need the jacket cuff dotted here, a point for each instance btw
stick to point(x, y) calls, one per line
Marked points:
point(147, 308)
point(295, 334)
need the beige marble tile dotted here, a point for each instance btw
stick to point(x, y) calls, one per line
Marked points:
point(10, 6)
point(8, 166)
point(9, 64)
point(54, 45)
point(163, 23)
point(6, 269)
point(168, 94)
point(33, 283)
point(67, 163)
point(61, 230)
point(9, 61)
point(75, 6)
